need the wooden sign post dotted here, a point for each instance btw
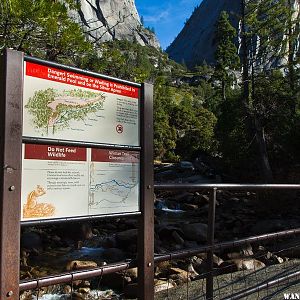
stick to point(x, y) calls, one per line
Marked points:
point(11, 82)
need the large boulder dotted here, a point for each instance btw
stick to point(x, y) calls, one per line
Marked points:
point(127, 237)
point(195, 232)
point(241, 264)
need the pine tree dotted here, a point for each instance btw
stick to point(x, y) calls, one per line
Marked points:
point(227, 59)
point(264, 24)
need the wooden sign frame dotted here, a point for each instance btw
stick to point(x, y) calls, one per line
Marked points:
point(11, 104)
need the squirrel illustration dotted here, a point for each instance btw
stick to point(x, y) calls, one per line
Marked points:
point(33, 209)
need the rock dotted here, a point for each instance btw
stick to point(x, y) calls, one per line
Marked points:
point(163, 267)
point(115, 280)
point(242, 264)
point(132, 273)
point(80, 265)
point(195, 232)
point(84, 290)
point(75, 233)
point(199, 262)
point(190, 244)
point(244, 251)
point(85, 283)
point(289, 248)
point(77, 283)
point(191, 271)
point(179, 276)
point(130, 291)
point(113, 20)
point(113, 254)
point(165, 231)
point(100, 241)
point(201, 199)
point(267, 226)
point(23, 258)
point(67, 289)
point(127, 237)
point(187, 206)
point(196, 42)
point(183, 196)
point(26, 295)
point(161, 285)
point(277, 259)
point(177, 238)
point(78, 296)
point(216, 260)
point(31, 241)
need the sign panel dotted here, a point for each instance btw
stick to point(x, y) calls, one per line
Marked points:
point(114, 181)
point(63, 105)
point(66, 181)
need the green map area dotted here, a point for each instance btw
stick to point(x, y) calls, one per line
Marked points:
point(52, 110)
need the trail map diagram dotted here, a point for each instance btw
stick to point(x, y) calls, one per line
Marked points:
point(113, 185)
point(52, 111)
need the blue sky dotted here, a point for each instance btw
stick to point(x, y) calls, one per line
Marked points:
point(166, 16)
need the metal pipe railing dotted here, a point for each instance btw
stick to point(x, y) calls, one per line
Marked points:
point(108, 269)
point(78, 275)
point(212, 188)
point(210, 248)
point(224, 186)
point(263, 286)
point(227, 245)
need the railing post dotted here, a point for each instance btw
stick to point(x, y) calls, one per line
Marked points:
point(146, 225)
point(211, 241)
point(11, 90)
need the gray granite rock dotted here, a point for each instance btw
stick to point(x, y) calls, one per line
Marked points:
point(106, 20)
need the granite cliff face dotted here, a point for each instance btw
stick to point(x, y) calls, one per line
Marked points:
point(196, 42)
point(106, 20)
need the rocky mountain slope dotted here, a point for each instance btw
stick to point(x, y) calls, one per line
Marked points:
point(106, 20)
point(196, 42)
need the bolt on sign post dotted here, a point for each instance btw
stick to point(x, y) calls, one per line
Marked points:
point(82, 150)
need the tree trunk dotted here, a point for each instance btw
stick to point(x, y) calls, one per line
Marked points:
point(223, 90)
point(244, 47)
point(266, 171)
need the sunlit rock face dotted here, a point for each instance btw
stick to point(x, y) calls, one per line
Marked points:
point(106, 20)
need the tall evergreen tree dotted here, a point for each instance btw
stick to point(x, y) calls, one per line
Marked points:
point(263, 27)
point(227, 59)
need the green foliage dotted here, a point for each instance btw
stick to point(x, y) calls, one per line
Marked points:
point(42, 28)
point(226, 54)
point(191, 115)
point(182, 125)
point(227, 59)
point(266, 22)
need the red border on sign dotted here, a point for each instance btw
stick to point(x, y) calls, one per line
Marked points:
point(51, 152)
point(117, 156)
point(81, 80)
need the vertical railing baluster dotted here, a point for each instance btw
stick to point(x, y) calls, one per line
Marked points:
point(210, 241)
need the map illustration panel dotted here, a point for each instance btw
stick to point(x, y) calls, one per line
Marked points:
point(65, 105)
point(114, 181)
point(64, 181)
